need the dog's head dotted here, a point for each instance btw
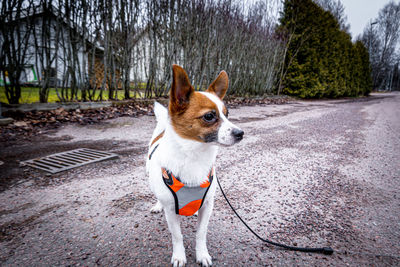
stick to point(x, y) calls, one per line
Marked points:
point(201, 116)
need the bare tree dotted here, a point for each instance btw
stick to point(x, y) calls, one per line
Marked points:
point(381, 37)
point(206, 37)
point(46, 33)
point(72, 43)
point(15, 27)
point(108, 45)
point(126, 33)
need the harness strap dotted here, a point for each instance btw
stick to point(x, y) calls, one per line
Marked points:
point(154, 149)
point(188, 200)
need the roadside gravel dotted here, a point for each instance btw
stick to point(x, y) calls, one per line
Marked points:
point(308, 173)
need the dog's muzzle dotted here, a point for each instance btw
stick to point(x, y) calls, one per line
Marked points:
point(237, 134)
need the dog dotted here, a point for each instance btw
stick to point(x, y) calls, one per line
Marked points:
point(182, 152)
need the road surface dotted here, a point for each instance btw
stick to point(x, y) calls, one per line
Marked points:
point(308, 173)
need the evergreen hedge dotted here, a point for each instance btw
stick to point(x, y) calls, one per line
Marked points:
point(321, 60)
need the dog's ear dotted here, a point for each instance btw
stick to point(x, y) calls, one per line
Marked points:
point(220, 85)
point(181, 89)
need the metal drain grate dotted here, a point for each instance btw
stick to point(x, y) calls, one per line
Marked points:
point(67, 160)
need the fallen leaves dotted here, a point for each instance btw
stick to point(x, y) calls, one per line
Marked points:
point(243, 101)
point(31, 123)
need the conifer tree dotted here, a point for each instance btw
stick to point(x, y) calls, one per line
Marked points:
point(321, 60)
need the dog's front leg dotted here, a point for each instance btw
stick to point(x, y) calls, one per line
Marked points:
point(202, 255)
point(178, 255)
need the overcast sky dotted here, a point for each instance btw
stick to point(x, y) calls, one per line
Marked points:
point(360, 12)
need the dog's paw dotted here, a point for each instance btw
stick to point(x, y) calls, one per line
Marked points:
point(178, 260)
point(203, 258)
point(157, 208)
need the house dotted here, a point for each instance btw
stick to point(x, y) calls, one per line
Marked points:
point(49, 49)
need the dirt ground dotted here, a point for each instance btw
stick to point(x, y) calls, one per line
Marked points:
point(308, 173)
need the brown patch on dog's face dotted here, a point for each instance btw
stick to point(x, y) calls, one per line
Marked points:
point(225, 111)
point(200, 121)
point(193, 115)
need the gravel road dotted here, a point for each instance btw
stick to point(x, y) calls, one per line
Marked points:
point(308, 173)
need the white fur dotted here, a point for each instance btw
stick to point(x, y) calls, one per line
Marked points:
point(161, 114)
point(225, 136)
point(191, 161)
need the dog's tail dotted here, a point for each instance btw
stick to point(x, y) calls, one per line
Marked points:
point(162, 118)
point(161, 113)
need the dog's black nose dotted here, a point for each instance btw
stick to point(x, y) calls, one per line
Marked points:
point(238, 134)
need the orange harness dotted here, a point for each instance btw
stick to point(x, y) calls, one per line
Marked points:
point(188, 200)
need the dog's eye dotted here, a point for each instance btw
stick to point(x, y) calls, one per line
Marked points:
point(210, 117)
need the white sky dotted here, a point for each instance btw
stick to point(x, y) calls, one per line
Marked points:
point(361, 12)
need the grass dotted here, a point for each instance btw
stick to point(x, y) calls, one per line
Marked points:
point(31, 95)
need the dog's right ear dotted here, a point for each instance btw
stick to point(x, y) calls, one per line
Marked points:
point(181, 89)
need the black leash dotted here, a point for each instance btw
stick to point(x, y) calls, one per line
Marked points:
point(325, 250)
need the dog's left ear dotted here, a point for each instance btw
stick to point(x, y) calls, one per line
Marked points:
point(220, 85)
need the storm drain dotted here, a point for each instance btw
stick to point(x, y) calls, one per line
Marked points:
point(69, 159)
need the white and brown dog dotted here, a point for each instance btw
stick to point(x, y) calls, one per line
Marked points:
point(182, 153)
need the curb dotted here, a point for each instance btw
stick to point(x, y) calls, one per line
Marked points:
point(74, 105)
